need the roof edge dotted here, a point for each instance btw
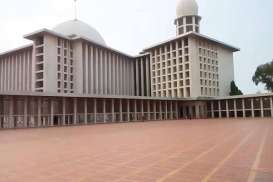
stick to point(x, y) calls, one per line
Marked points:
point(16, 49)
point(233, 48)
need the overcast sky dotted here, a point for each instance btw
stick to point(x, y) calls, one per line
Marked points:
point(131, 25)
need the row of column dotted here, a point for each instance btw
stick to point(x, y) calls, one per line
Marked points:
point(261, 108)
point(106, 73)
point(119, 110)
point(15, 71)
point(143, 76)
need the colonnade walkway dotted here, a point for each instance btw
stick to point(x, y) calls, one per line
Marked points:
point(196, 150)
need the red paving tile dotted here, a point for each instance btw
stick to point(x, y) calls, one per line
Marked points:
point(196, 150)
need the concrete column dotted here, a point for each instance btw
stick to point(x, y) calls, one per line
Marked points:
point(149, 110)
point(75, 107)
point(148, 78)
point(39, 111)
point(166, 110)
point(51, 112)
point(105, 72)
point(96, 71)
point(120, 110)
point(160, 110)
point(176, 109)
point(86, 69)
point(244, 108)
point(154, 109)
point(142, 76)
point(262, 107)
point(85, 111)
point(252, 108)
point(171, 109)
point(271, 106)
point(235, 108)
point(227, 108)
point(104, 110)
point(64, 111)
point(135, 110)
point(197, 111)
point(128, 110)
point(212, 110)
point(95, 111)
point(219, 109)
point(11, 113)
point(137, 78)
point(142, 110)
point(25, 112)
point(113, 110)
point(91, 65)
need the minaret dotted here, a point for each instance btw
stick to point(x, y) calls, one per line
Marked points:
point(187, 19)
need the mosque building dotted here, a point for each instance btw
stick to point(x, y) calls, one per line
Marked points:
point(70, 76)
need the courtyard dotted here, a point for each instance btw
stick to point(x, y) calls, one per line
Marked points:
point(186, 150)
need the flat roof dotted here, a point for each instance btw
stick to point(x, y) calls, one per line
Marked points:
point(16, 49)
point(194, 34)
point(243, 96)
point(37, 94)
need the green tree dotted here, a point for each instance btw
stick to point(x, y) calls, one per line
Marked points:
point(234, 90)
point(264, 75)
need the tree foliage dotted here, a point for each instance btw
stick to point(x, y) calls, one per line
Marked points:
point(234, 90)
point(264, 75)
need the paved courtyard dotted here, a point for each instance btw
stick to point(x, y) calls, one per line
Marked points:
point(196, 150)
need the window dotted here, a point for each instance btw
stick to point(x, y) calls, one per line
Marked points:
point(181, 83)
point(180, 68)
point(174, 69)
point(188, 20)
point(189, 28)
point(196, 20)
point(186, 42)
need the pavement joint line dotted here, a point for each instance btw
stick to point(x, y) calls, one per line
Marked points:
point(253, 172)
point(165, 159)
point(162, 179)
point(152, 153)
point(235, 149)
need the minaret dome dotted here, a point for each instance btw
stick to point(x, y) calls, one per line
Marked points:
point(187, 18)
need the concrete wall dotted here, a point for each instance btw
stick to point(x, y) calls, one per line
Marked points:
point(16, 70)
point(194, 67)
point(50, 64)
point(226, 70)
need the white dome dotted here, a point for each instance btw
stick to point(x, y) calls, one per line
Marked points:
point(79, 28)
point(186, 8)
